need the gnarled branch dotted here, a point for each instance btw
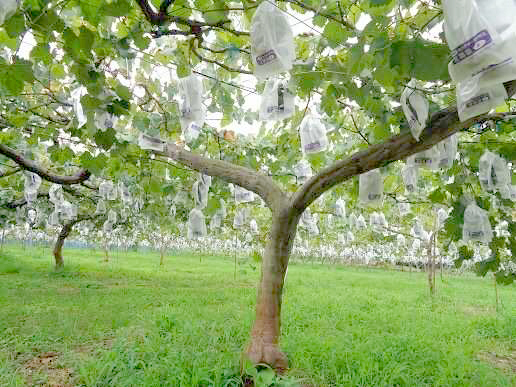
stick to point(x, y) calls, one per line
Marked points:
point(44, 173)
point(244, 177)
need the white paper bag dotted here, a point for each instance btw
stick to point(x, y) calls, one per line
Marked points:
point(272, 41)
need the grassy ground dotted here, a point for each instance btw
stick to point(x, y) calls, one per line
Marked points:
point(131, 323)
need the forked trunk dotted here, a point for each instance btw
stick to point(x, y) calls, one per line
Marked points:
point(58, 247)
point(264, 345)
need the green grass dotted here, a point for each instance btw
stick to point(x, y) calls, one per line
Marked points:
point(129, 322)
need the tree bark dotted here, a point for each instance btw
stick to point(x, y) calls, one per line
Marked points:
point(264, 345)
point(58, 247)
point(63, 234)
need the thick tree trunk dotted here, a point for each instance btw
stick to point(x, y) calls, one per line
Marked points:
point(58, 247)
point(264, 345)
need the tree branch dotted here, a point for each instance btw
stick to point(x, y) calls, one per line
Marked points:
point(44, 173)
point(213, 61)
point(440, 126)
point(244, 177)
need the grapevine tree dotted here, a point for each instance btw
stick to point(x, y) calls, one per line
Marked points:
point(69, 64)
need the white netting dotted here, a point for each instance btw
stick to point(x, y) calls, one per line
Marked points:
point(272, 41)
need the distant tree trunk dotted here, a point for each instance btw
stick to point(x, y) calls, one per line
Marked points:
point(2, 240)
point(106, 252)
point(63, 234)
point(58, 247)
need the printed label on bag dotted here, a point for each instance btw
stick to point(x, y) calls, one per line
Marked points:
point(423, 160)
point(313, 146)
point(471, 46)
point(267, 57)
point(477, 100)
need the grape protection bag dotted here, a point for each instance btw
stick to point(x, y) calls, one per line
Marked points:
point(240, 219)
point(409, 175)
point(196, 224)
point(476, 225)
point(191, 108)
point(200, 194)
point(151, 143)
point(340, 208)
point(313, 135)
point(303, 171)
point(253, 226)
point(427, 159)
point(370, 187)
point(485, 170)
point(481, 35)
point(277, 101)
point(448, 151)
point(242, 195)
point(272, 41)
point(308, 222)
point(474, 99)
point(415, 107)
